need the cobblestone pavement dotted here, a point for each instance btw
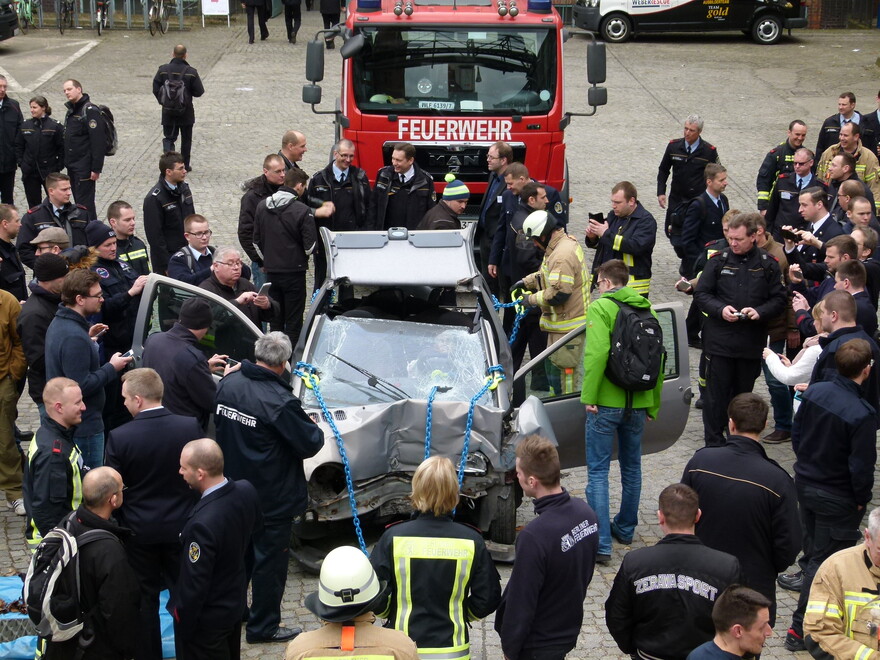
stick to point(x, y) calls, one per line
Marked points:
point(746, 93)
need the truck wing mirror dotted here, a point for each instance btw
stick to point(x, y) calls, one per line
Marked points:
point(352, 46)
point(595, 62)
point(315, 61)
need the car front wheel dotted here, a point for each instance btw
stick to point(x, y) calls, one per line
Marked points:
point(767, 29)
point(616, 28)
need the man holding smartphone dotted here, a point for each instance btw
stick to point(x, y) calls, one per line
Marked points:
point(739, 291)
point(226, 281)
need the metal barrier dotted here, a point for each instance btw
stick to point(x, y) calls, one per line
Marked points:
point(123, 14)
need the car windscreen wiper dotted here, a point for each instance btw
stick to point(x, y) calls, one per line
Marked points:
point(375, 381)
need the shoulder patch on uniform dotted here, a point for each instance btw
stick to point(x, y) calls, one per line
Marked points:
point(34, 209)
point(712, 147)
point(773, 150)
point(93, 123)
point(783, 175)
point(179, 253)
point(558, 207)
point(194, 552)
point(80, 206)
point(103, 273)
point(716, 254)
point(155, 191)
point(767, 254)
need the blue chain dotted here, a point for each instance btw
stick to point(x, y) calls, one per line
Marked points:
point(428, 421)
point(307, 372)
point(519, 315)
point(496, 375)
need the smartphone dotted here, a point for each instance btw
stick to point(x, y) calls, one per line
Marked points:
point(598, 217)
point(102, 333)
point(790, 235)
point(683, 286)
point(230, 362)
point(264, 290)
point(129, 353)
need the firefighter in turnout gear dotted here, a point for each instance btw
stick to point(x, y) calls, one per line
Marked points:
point(843, 612)
point(562, 293)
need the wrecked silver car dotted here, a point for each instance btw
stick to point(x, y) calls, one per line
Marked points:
point(403, 353)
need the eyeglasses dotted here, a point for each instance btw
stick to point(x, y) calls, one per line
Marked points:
point(200, 234)
point(492, 158)
point(231, 264)
point(100, 296)
point(803, 162)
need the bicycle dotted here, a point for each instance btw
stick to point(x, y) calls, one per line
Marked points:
point(25, 11)
point(101, 15)
point(158, 17)
point(65, 15)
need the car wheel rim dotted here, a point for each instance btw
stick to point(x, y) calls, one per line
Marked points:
point(616, 29)
point(768, 30)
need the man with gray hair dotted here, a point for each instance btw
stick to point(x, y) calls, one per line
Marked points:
point(686, 157)
point(348, 187)
point(227, 282)
point(265, 436)
point(843, 606)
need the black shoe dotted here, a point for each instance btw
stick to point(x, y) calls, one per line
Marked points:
point(281, 635)
point(330, 44)
point(699, 404)
point(189, 168)
point(695, 343)
point(292, 38)
point(777, 437)
point(250, 41)
point(603, 559)
point(263, 37)
point(794, 642)
point(791, 581)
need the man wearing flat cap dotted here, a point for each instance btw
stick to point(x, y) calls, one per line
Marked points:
point(348, 593)
point(177, 355)
point(51, 239)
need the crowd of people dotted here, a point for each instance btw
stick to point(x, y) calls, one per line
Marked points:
point(790, 290)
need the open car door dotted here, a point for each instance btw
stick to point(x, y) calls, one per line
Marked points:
point(567, 413)
point(231, 333)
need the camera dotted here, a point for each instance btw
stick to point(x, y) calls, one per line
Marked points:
point(741, 316)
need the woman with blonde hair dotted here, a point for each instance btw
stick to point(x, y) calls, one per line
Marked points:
point(440, 575)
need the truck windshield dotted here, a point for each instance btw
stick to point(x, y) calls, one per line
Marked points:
point(446, 70)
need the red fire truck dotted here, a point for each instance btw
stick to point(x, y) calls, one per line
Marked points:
point(452, 77)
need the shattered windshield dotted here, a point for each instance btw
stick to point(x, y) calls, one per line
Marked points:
point(369, 361)
point(442, 70)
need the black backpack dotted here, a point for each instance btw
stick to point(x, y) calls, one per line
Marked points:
point(678, 214)
point(111, 141)
point(174, 97)
point(637, 353)
point(52, 586)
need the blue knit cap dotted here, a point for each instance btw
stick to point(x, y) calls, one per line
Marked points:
point(455, 189)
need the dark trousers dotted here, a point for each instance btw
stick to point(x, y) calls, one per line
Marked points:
point(694, 322)
point(830, 523)
point(292, 18)
point(83, 190)
point(289, 289)
point(157, 566)
point(267, 561)
point(7, 184)
point(725, 378)
point(202, 644)
point(170, 133)
point(33, 189)
point(261, 17)
point(329, 21)
point(546, 653)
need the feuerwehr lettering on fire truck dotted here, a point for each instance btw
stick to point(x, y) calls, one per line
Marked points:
point(442, 129)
